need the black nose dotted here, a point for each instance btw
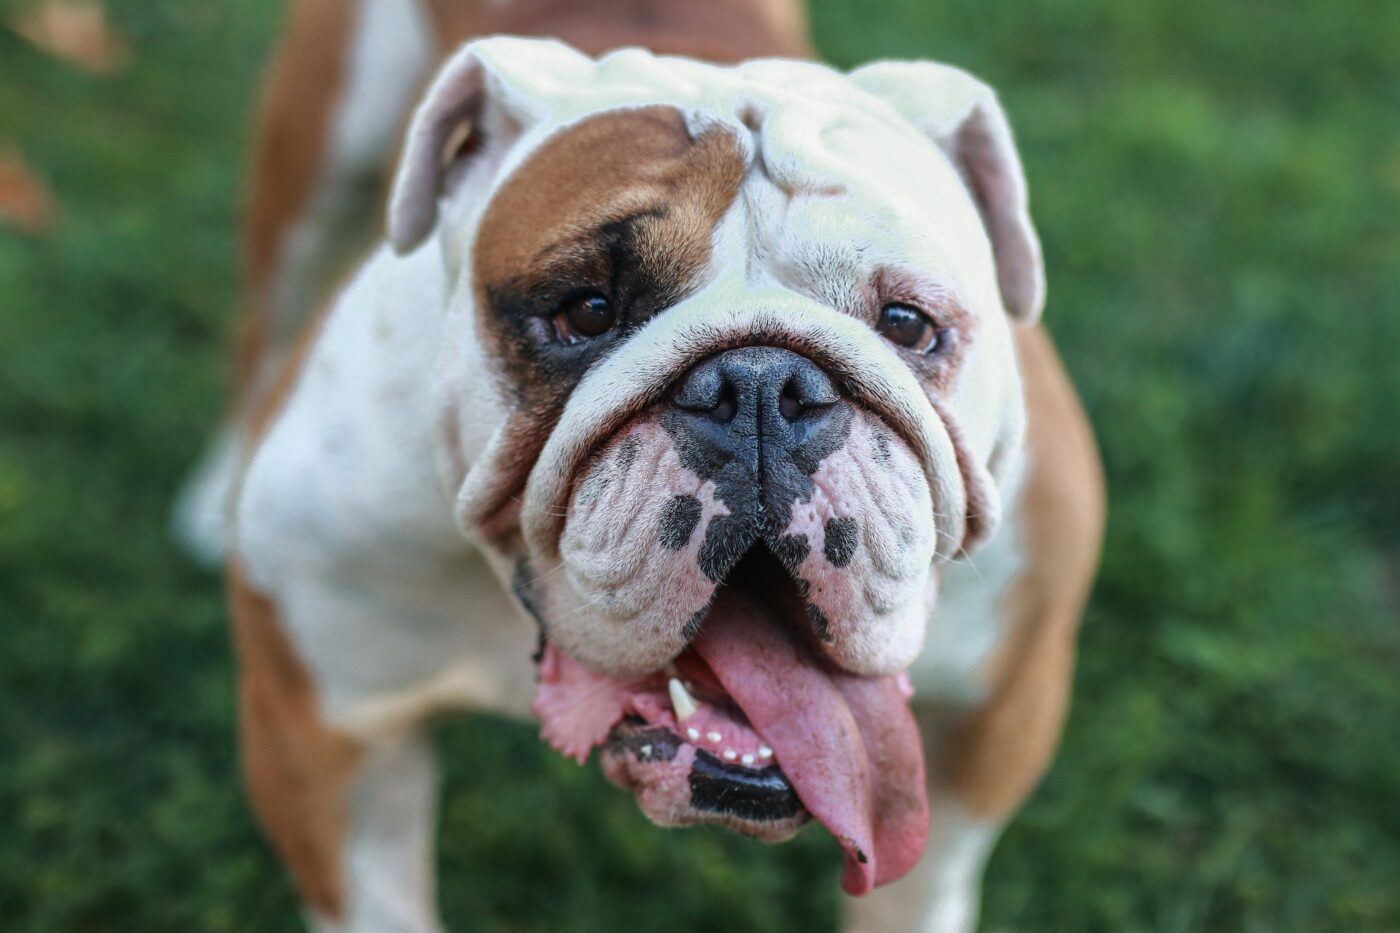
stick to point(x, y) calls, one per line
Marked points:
point(758, 394)
point(756, 422)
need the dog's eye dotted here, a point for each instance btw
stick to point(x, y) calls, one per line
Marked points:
point(908, 327)
point(584, 316)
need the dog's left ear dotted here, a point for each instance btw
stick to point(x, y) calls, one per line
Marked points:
point(962, 115)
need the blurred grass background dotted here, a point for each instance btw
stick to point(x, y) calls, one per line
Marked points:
point(1218, 189)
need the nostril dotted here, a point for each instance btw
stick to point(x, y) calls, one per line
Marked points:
point(702, 390)
point(727, 405)
point(710, 394)
point(790, 400)
point(802, 396)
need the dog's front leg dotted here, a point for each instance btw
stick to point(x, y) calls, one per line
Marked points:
point(388, 856)
point(352, 818)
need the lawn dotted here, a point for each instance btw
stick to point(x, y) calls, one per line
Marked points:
point(1218, 189)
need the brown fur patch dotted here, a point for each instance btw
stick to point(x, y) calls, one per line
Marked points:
point(303, 84)
point(297, 768)
point(604, 170)
point(623, 203)
point(715, 30)
point(997, 755)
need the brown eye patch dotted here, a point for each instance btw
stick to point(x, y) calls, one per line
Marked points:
point(605, 225)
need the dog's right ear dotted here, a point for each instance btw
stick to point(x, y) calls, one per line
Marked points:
point(498, 86)
point(449, 112)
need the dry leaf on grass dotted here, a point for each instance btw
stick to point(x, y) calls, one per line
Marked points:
point(25, 201)
point(75, 31)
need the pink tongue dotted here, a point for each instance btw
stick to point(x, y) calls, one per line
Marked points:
point(848, 744)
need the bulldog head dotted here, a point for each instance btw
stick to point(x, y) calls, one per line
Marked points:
point(727, 380)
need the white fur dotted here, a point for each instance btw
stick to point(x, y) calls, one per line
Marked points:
point(200, 519)
point(389, 858)
point(392, 49)
point(344, 522)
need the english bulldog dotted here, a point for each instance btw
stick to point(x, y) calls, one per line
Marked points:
point(700, 411)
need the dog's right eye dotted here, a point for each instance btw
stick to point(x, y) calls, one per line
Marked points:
point(584, 316)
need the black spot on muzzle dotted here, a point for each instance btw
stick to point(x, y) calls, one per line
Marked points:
point(678, 521)
point(841, 541)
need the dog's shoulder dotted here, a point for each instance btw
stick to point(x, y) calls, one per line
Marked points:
point(335, 452)
point(1063, 496)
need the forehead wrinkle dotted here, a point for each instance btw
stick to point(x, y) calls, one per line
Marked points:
point(801, 148)
point(826, 149)
point(792, 238)
point(833, 273)
point(760, 207)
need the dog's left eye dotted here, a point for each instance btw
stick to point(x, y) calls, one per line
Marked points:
point(908, 327)
point(584, 316)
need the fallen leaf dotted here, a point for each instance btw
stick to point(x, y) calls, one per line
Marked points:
point(75, 31)
point(25, 201)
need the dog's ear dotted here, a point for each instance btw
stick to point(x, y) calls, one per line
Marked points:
point(450, 108)
point(962, 115)
point(499, 86)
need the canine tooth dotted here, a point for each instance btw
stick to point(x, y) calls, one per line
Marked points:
point(681, 700)
point(730, 754)
point(693, 734)
point(714, 737)
point(747, 759)
point(646, 751)
point(765, 752)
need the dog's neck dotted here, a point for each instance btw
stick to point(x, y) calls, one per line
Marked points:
point(712, 30)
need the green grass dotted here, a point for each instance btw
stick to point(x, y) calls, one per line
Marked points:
point(1218, 189)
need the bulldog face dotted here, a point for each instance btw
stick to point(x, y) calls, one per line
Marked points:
point(727, 380)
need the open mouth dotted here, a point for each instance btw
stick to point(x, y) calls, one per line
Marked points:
point(752, 728)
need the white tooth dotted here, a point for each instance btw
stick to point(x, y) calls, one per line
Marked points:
point(646, 751)
point(747, 759)
point(714, 737)
point(681, 700)
point(765, 752)
point(730, 754)
point(693, 734)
